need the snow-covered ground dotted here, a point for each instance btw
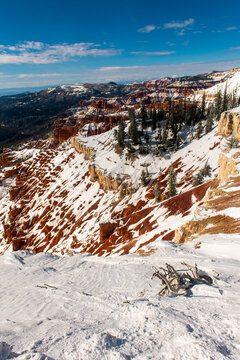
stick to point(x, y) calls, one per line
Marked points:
point(231, 84)
point(84, 307)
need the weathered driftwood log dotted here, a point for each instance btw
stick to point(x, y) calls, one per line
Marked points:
point(177, 282)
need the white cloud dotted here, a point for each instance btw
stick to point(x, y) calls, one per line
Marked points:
point(178, 25)
point(148, 28)
point(115, 73)
point(231, 28)
point(217, 31)
point(30, 52)
point(234, 48)
point(181, 32)
point(138, 73)
point(153, 53)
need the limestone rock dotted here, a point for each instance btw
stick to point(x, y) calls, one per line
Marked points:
point(227, 167)
point(229, 124)
point(82, 149)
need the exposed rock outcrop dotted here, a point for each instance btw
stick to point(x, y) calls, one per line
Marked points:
point(106, 229)
point(218, 200)
point(106, 182)
point(229, 124)
point(10, 172)
point(5, 157)
point(82, 149)
point(227, 167)
point(63, 131)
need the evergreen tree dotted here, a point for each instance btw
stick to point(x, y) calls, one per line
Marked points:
point(146, 137)
point(192, 130)
point(157, 192)
point(203, 107)
point(172, 190)
point(218, 105)
point(178, 141)
point(234, 99)
point(199, 130)
point(144, 177)
point(159, 137)
point(121, 134)
point(209, 122)
point(154, 119)
point(198, 179)
point(160, 115)
point(206, 170)
point(232, 143)
point(132, 130)
point(150, 113)
point(225, 100)
point(164, 135)
point(143, 115)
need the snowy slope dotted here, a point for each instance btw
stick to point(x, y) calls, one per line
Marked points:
point(232, 84)
point(58, 207)
point(86, 307)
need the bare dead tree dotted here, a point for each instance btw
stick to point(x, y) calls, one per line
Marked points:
point(178, 282)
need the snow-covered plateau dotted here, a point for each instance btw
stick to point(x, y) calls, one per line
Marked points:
point(84, 307)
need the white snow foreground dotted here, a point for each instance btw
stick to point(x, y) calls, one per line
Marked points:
point(84, 307)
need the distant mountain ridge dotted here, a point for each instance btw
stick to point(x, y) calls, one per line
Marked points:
point(32, 115)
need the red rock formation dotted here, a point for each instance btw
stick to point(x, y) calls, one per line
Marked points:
point(63, 132)
point(106, 229)
point(11, 172)
point(5, 157)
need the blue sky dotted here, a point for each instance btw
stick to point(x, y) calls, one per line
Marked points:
point(67, 41)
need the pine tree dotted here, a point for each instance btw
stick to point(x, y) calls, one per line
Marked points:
point(234, 100)
point(132, 130)
point(150, 113)
point(144, 177)
point(178, 141)
point(198, 179)
point(172, 190)
point(121, 134)
point(206, 170)
point(160, 115)
point(154, 119)
point(143, 115)
point(146, 137)
point(157, 192)
point(164, 135)
point(203, 107)
point(159, 137)
point(192, 131)
point(225, 100)
point(218, 105)
point(232, 143)
point(209, 122)
point(199, 130)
